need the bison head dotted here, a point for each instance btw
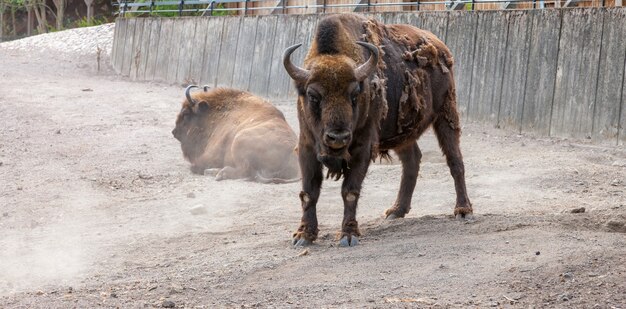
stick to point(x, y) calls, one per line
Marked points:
point(191, 125)
point(331, 99)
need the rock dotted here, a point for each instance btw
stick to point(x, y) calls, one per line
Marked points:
point(191, 195)
point(565, 297)
point(168, 304)
point(58, 131)
point(617, 226)
point(304, 252)
point(620, 163)
point(567, 276)
point(578, 210)
point(537, 253)
point(198, 210)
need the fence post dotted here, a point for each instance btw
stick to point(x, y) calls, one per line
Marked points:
point(245, 8)
point(369, 5)
point(212, 4)
point(418, 5)
point(151, 6)
point(180, 7)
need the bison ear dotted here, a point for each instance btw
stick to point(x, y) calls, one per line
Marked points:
point(203, 106)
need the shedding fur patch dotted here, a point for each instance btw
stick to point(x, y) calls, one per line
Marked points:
point(411, 101)
point(449, 109)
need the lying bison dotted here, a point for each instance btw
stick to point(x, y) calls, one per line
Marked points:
point(236, 135)
point(351, 113)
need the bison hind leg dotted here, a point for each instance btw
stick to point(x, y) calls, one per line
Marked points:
point(229, 172)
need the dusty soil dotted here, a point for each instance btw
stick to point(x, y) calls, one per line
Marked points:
point(98, 209)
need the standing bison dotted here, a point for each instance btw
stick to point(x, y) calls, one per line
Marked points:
point(236, 135)
point(352, 111)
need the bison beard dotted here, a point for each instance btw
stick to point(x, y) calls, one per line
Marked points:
point(351, 111)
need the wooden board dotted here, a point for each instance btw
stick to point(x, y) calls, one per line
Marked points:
point(488, 67)
point(210, 60)
point(198, 48)
point(437, 23)
point(153, 49)
point(461, 38)
point(542, 64)
point(173, 61)
point(136, 52)
point(307, 25)
point(245, 53)
point(128, 47)
point(144, 48)
point(263, 55)
point(516, 63)
point(165, 46)
point(230, 36)
point(186, 47)
point(285, 36)
point(577, 73)
point(609, 92)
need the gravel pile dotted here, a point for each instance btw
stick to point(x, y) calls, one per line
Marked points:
point(78, 41)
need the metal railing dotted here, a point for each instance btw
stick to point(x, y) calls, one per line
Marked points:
point(251, 7)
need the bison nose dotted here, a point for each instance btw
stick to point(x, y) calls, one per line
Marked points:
point(337, 139)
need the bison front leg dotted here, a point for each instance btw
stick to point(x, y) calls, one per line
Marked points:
point(312, 176)
point(350, 191)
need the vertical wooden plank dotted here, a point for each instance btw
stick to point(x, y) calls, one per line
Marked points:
point(244, 53)
point(577, 73)
point(128, 47)
point(543, 57)
point(461, 39)
point(165, 46)
point(186, 47)
point(144, 47)
point(136, 48)
point(511, 101)
point(117, 34)
point(611, 76)
point(415, 19)
point(154, 48)
point(263, 55)
point(178, 29)
point(286, 28)
point(228, 51)
point(437, 23)
point(210, 60)
point(307, 25)
point(198, 49)
point(488, 65)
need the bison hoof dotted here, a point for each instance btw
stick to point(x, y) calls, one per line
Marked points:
point(465, 217)
point(302, 242)
point(348, 241)
point(211, 171)
point(392, 216)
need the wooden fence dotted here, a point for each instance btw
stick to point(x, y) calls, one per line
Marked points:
point(556, 72)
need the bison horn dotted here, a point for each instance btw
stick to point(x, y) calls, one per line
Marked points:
point(191, 101)
point(367, 68)
point(297, 73)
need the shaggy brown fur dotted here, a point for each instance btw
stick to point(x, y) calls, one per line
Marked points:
point(410, 89)
point(236, 135)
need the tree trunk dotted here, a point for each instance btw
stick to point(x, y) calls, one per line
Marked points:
point(13, 23)
point(89, 4)
point(60, 5)
point(1, 20)
point(40, 13)
point(29, 21)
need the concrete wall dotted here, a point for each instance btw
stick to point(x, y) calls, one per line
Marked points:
point(551, 72)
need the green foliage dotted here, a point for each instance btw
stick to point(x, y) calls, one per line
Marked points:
point(84, 22)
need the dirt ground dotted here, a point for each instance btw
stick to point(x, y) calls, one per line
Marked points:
point(98, 209)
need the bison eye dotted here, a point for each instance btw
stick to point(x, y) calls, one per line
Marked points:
point(313, 99)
